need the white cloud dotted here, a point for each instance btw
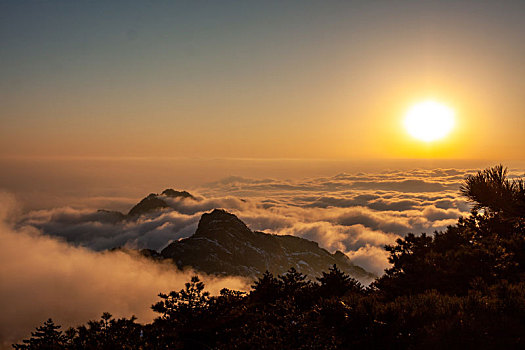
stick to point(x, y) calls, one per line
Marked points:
point(43, 277)
point(349, 212)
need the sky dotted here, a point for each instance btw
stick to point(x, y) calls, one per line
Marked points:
point(289, 114)
point(259, 80)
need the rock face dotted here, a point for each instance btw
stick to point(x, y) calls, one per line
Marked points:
point(155, 202)
point(174, 194)
point(150, 203)
point(109, 216)
point(224, 245)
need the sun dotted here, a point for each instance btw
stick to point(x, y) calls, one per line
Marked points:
point(429, 121)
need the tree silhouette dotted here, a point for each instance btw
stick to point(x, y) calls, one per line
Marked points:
point(491, 190)
point(293, 282)
point(337, 283)
point(185, 304)
point(266, 288)
point(487, 246)
point(46, 336)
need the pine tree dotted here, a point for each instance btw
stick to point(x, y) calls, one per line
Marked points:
point(337, 283)
point(46, 337)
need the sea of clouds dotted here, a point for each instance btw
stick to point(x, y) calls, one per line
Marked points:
point(53, 262)
point(356, 213)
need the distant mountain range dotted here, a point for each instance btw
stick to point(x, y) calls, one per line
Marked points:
point(224, 245)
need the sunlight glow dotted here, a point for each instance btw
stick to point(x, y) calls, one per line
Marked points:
point(429, 121)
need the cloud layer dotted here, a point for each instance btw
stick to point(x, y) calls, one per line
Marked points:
point(53, 264)
point(44, 277)
point(356, 213)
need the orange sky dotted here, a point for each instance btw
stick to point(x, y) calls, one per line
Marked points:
point(274, 81)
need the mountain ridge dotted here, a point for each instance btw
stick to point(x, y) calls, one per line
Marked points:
point(224, 245)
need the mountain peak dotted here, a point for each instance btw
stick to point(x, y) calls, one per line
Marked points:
point(151, 202)
point(224, 245)
point(154, 202)
point(169, 192)
point(219, 220)
point(218, 213)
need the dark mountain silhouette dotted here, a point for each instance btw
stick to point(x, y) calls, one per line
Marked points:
point(181, 194)
point(148, 204)
point(110, 216)
point(224, 245)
